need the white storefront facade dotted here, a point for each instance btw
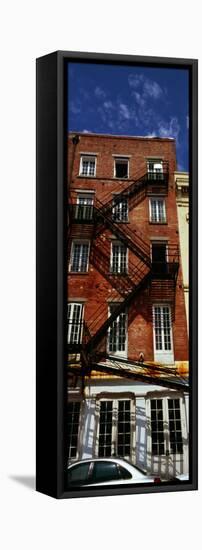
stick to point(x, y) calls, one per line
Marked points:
point(146, 424)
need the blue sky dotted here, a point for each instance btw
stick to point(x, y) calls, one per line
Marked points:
point(128, 100)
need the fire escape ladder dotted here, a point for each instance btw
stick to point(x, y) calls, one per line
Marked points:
point(139, 185)
point(132, 239)
point(95, 339)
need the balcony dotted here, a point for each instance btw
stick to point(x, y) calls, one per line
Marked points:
point(165, 261)
point(157, 178)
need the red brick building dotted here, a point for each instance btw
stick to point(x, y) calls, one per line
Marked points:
point(125, 292)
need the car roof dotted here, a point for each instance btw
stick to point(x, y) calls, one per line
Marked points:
point(119, 460)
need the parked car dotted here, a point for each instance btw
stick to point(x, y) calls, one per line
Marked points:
point(106, 471)
point(181, 477)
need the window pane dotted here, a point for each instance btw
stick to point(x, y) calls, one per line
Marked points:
point(175, 429)
point(121, 168)
point(72, 426)
point(74, 317)
point(157, 433)
point(105, 433)
point(157, 210)
point(88, 166)
point(124, 427)
point(104, 471)
point(79, 259)
point(78, 474)
point(117, 334)
point(120, 209)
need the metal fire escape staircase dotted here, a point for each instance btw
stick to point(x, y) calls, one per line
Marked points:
point(138, 277)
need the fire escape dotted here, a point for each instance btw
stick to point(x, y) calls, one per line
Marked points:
point(153, 275)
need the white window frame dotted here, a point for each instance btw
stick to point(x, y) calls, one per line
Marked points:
point(166, 427)
point(157, 166)
point(86, 157)
point(117, 209)
point(80, 321)
point(115, 398)
point(80, 242)
point(118, 243)
point(76, 457)
point(121, 160)
point(156, 200)
point(86, 197)
point(118, 353)
point(163, 355)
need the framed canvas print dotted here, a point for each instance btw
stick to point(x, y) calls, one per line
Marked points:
point(116, 274)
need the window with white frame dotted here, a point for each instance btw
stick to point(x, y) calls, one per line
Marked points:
point(115, 433)
point(162, 327)
point(79, 256)
point(120, 209)
point(155, 169)
point(166, 426)
point(157, 210)
point(87, 166)
point(84, 207)
point(121, 168)
point(74, 322)
point(117, 334)
point(72, 426)
point(118, 263)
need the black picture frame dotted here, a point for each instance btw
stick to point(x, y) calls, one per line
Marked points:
point(51, 270)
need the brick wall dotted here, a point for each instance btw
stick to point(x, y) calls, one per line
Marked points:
point(94, 287)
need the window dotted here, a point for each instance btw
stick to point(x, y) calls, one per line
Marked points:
point(120, 209)
point(117, 334)
point(163, 349)
point(157, 430)
point(74, 318)
point(105, 471)
point(84, 207)
point(78, 474)
point(155, 169)
point(79, 257)
point(159, 257)
point(87, 166)
point(166, 427)
point(157, 210)
point(121, 168)
point(72, 425)
point(105, 433)
point(175, 427)
point(118, 258)
point(115, 430)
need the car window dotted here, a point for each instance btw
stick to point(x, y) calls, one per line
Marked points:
point(124, 474)
point(78, 474)
point(104, 471)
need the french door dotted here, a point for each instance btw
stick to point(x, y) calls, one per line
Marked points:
point(116, 428)
point(167, 444)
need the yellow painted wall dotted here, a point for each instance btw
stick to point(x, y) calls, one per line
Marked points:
point(182, 199)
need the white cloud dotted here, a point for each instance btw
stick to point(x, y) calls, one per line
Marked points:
point(124, 111)
point(86, 131)
point(152, 89)
point(139, 99)
point(108, 105)
point(99, 93)
point(135, 80)
point(169, 129)
point(149, 88)
point(187, 122)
